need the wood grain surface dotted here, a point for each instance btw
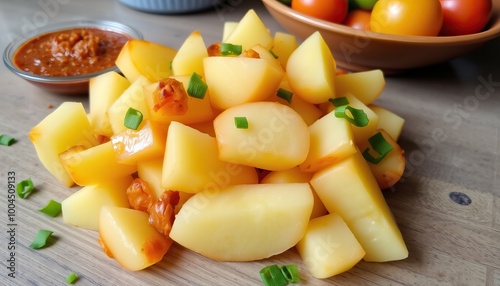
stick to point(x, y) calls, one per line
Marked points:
point(451, 138)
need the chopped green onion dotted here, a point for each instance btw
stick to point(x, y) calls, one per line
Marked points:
point(285, 94)
point(273, 276)
point(25, 188)
point(273, 54)
point(72, 277)
point(6, 140)
point(52, 208)
point(241, 122)
point(359, 117)
point(339, 101)
point(228, 49)
point(133, 118)
point(41, 238)
point(196, 86)
point(380, 145)
point(291, 273)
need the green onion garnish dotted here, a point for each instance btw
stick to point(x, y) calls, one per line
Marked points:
point(228, 49)
point(133, 118)
point(72, 277)
point(196, 86)
point(291, 273)
point(380, 145)
point(52, 208)
point(41, 238)
point(25, 188)
point(273, 276)
point(241, 122)
point(285, 94)
point(273, 54)
point(6, 140)
point(359, 117)
point(339, 101)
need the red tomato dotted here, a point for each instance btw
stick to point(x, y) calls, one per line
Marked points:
point(462, 17)
point(328, 10)
point(358, 19)
point(407, 17)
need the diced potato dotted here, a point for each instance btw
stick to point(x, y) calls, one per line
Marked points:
point(104, 90)
point(151, 172)
point(311, 70)
point(130, 239)
point(331, 141)
point(244, 222)
point(360, 134)
point(189, 57)
point(249, 32)
point(191, 163)
point(206, 127)
point(388, 171)
point(268, 56)
point(365, 86)
point(147, 142)
point(229, 27)
point(294, 175)
point(66, 126)
point(283, 46)
point(236, 80)
point(82, 208)
point(94, 165)
point(276, 138)
point(143, 58)
point(309, 112)
point(349, 189)
point(198, 110)
point(132, 97)
point(328, 247)
point(388, 121)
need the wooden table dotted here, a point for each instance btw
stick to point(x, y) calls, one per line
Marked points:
point(451, 140)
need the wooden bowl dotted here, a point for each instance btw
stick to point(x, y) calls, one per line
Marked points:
point(358, 50)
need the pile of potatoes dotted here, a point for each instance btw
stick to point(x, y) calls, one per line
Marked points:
point(294, 177)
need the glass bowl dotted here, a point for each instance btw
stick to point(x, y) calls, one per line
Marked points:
point(64, 84)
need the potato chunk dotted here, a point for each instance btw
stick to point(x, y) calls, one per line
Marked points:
point(94, 165)
point(62, 129)
point(349, 188)
point(311, 70)
point(329, 248)
point(250, 31)
point(277, 138)
point(236, 80)
point(130, 239)
point(365, 86)
point(143, 58)
point(191, 163)
point(82, 208)
point(331, 141)
point(244, 222)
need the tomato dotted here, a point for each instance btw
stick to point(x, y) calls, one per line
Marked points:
point(461, 17)
point(358, 19)
point(365, 4)
point(328, 10)
point(407, 17)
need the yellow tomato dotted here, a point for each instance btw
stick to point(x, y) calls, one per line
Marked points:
point(407, 17)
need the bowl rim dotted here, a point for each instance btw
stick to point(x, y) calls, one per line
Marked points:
point(107, 25)
point(492, 32)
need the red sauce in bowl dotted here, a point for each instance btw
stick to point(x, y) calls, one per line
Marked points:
point(71, 52)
